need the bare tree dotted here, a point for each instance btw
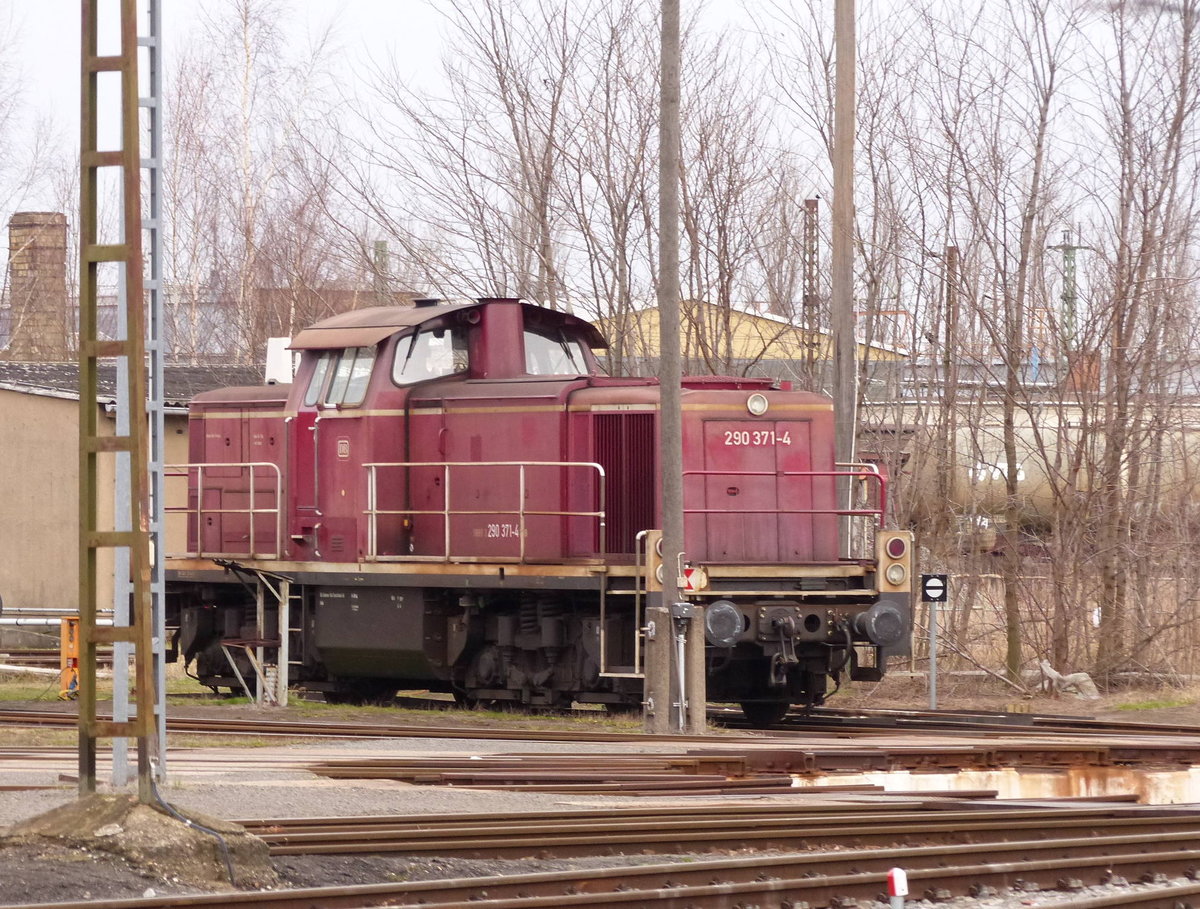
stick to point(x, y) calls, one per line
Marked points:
point(1149, 116)
point(246, 212)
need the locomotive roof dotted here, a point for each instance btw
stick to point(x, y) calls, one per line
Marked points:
point(367, 327)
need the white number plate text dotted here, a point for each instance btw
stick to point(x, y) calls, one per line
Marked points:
point(503, 531)
point(757, 437)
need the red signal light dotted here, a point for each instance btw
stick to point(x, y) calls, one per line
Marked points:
point(896, 547)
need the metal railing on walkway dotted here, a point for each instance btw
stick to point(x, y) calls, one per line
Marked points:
point(505, 530)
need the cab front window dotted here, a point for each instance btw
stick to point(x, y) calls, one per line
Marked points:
point(313, 393)
point(343, 375)
point(554, 353)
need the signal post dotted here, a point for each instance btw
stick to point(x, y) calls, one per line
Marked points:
point(675, 689)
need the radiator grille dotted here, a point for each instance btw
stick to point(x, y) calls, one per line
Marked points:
point(625, 446)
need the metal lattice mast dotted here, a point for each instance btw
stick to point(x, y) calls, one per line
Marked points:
point(129, 354)
point(156, 398)
point(1069, 291)
point(841, 319)
point(811, 300)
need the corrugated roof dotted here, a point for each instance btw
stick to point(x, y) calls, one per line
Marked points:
point(181, 383)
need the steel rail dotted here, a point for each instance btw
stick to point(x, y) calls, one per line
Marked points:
point(804, 759)
point(589, 837)
point(1169, 896)
point(368, 829)
point(913, 807)
point(848, 889)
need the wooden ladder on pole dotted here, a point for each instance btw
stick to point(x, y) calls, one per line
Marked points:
point(129, 355)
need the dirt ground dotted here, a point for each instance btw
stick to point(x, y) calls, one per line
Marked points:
point(1149, 703)
point(49, 873)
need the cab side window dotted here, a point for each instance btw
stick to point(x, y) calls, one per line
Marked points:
point(427, 354)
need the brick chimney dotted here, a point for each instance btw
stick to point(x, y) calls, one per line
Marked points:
point(37, 287)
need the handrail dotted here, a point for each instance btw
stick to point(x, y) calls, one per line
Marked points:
point(199, 512)
point(872, 470)
point(856, 529)
point(373, 512)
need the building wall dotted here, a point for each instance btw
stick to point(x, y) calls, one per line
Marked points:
point(710, 332)
point(39, 499)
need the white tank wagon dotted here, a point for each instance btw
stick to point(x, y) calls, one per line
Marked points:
point(1056, 457)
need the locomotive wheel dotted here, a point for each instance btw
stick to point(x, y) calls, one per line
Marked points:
point(762, 714)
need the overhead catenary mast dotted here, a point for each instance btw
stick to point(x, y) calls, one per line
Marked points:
point(131, 535)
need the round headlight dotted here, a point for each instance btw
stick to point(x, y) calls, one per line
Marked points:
point(895, 574)
point(757, 404)
point(896, 547)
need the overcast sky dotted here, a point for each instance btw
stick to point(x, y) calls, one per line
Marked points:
point(46, 42)
point(48, 33)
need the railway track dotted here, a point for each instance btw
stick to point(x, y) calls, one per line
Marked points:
point(44, 660)
point(1081, 729)
point(316, 729)
point(825, 719)
point(711, 829)
point(818, 879)
point(778, 762)
point(1176, 896)
point(714, 765)
point(947, 844)
point(882, 720)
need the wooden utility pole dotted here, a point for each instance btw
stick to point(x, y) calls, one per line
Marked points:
point(845, 368)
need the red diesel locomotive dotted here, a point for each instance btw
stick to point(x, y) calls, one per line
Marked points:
point(454, 498)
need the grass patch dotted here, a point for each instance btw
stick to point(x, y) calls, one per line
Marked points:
point(202, 740)
point(28, 687)
point(185, 692)
point(38, 737)
point(1154, 704)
